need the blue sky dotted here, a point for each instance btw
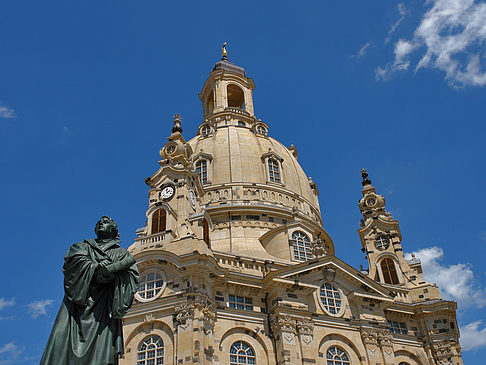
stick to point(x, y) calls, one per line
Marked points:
point(88, 90)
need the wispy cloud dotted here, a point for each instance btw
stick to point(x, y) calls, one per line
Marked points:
point(7, 112)
point(473, 338)
point(482, 236)
point(10, 354)
point(362, 51)
point(6, 303)
point(452, 34)
point(8, 318)
point(39, 307)
point(403, 12)
point(456, 282)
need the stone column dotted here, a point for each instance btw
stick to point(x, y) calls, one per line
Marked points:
point(370, 340)
point(287, 344)
point(305, 329)
point(385, 339)
point(183, 323)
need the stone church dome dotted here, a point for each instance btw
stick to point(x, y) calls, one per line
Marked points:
point(254, 185)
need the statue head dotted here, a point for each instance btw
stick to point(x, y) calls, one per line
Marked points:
point(106, 228)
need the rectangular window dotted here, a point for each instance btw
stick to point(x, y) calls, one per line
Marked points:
point(239, 302)
point(273, 170)
point(397, 327)
point(202, 170)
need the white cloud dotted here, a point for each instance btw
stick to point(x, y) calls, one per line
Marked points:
point(39, 307)
point(6, 303)
point(402, 11)
point(473, 338)
point(362, 51)
point(456, 282)
point(452, 34)
point(7, 112)
point(10, 353)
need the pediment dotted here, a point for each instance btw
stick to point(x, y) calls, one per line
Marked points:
point(330, 268)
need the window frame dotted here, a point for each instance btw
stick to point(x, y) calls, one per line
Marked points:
point(340, 361)
point(389, 273)
point(279, 163)
point(200, 171)
point(294, 245)
point(145, 351)
point(397, 327)
point(382, 242)
point(342, 299)
point(240, 302)
point(274, 171)
point(153, 217)
point(261, 130)
point(249, 353)
point(144, 273)
point(205, 130)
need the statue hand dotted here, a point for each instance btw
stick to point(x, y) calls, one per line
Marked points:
point(102, 268)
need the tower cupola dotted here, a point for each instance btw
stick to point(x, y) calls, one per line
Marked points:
point(227, 89)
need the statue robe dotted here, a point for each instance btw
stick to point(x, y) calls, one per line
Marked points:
point(88, 328)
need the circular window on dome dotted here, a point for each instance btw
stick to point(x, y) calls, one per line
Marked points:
point(331, 300)
point(170, 149)
point(205, 130)
point(261, 130)
point(382, 243)
point(151, 286)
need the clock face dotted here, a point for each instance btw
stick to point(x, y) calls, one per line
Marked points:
point(192, 198)
point(168, 192)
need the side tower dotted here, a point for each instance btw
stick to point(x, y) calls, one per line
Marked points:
point(430, 317)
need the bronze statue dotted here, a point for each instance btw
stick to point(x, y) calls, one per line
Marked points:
point(100, 280)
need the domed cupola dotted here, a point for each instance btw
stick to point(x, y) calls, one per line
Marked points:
point(255, 191)
point(227, 89)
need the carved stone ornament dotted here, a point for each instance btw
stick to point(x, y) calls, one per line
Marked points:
point(442, 350)
point(370, 339)
point(319, 248)
point(306, 331)
point(286, 326)
point(183, 313)
point(208, 312)
point(385, 338)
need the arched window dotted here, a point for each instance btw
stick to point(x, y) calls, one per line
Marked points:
point(389, 272)
point(261, 130)
point(236, 97)
point(206, 232)
point(330, 298)
point(211, 103)
point(336, 356)
point(202, 170)
point(301, 246)
point(151, 351)
point(273, 170)
point(241, 353)
point(205, 130)
point(403, 363)
point(159, 219)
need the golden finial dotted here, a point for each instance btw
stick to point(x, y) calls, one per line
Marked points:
point(225, 53)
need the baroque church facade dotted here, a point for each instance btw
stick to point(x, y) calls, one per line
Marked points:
point(237, 268)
